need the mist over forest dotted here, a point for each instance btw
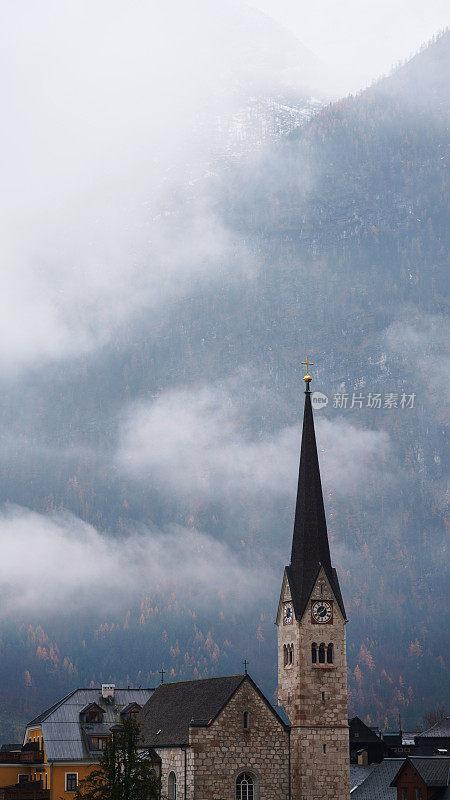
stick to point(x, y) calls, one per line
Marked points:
point(174, 244)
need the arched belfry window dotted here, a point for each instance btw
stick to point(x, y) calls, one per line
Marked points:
point(330, 653)
point(322, 653)
point(288, 655)
point(314, 653)
point(172, 786)
point(245, 787)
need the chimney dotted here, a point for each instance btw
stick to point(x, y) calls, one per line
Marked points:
point(108, 691)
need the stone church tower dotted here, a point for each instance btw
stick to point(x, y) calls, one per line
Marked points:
point(312, 663)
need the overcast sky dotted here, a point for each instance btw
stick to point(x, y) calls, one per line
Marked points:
point(360, 38)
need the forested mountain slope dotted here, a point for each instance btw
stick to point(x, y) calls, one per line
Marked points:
point(185, 428)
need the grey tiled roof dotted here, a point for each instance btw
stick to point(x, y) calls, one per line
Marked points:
point(377, 784)
point(62, 729)
point(173, 707)
point(166, 717)
point(48, 711)
point(438, 731)
point(433, 770)
point(359, 773)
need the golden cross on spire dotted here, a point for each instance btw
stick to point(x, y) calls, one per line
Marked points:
point(307, 377)
point(308, 364)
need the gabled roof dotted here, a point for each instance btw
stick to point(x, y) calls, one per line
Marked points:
point(433, 770)
point(310, 548)
point(37, 720)
point(88, 707)
point(366, 735)
point(377, 785)
point(174, 707)
point(129, 707)
point(441, 730)
point(359, 773)
point(62, 729)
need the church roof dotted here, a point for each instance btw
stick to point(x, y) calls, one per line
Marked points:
point(310, 548)
point(174, 707)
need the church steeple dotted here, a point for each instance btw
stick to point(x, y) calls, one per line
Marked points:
point(312, 662)
point(310, 548)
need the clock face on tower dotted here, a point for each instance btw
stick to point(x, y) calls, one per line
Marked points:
point(321, 611)
point(288, 614)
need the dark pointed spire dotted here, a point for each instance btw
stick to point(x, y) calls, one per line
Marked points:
point(310, 548)
point(310, 539)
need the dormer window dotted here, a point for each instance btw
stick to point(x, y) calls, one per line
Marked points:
point(92, 714)
point(98, 742)
point(130, 711)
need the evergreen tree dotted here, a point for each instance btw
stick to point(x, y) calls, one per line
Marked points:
point(125, 772)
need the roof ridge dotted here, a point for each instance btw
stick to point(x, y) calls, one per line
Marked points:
point(435, 725)
point(202, 680)
point(44, 714)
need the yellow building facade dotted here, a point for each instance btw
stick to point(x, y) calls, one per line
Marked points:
point(64, 744)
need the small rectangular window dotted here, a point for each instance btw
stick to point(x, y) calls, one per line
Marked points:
point(22, 778)
point(71, 781)
point(418, 794)
point(404, 794)
point(324, 748)
point(323, 697)
point(246, 720)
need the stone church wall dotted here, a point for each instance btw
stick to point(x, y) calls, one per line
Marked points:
point(223, 750)
point(172, 759)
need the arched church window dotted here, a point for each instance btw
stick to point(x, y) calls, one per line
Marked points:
point(172, 786)
point(314, 653)
point(291, 654)
point(245, 787)
point(246, 720)
point(330, 653)
point(285, 655)
point(322, 653)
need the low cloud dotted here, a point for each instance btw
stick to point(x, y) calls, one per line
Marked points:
point(58, 563)
point(197, 442)
point(354, 461)
point(117, 121)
